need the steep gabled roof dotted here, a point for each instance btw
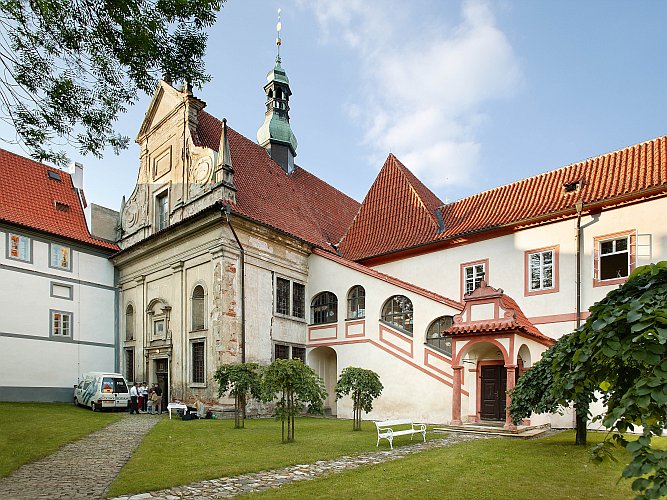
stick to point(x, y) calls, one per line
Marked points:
point(603, 182)
point(398, 212)
point(32, 198)
point(299, 204)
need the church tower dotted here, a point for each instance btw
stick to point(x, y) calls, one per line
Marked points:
point(275, 134)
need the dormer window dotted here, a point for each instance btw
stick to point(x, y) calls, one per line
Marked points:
point(571, 187)
point(53, 175)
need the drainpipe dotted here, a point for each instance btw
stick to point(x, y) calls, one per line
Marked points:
point(578, 206)
point(228, 210)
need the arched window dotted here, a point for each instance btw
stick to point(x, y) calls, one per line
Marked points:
point(397, 311)
point(129, 322)
point(356, 302)
point(436, 335)
point(198, 308)
point(324, 308)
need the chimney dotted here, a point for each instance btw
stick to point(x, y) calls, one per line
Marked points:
point(76, 171)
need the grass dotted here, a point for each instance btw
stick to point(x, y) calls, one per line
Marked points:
point(177, 452)
point(549, 468)
point(29, 431)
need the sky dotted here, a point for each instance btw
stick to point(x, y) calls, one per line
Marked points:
point(469, 94)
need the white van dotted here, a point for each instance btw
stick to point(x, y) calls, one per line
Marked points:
point(101, 390)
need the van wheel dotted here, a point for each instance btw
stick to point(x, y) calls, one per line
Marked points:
point(93, 406)
point(76, 402)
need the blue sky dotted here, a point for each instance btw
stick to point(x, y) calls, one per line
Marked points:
point(469, 95)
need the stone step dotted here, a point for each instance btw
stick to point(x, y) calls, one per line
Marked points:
point(519, 433)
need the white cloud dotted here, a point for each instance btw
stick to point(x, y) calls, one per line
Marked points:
point(425, 81)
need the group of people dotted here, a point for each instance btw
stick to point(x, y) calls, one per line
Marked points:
point(145, 399)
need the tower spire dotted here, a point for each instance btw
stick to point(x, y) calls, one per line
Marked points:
point(275, 134)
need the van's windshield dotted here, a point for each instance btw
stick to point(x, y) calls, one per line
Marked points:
point(110, 384)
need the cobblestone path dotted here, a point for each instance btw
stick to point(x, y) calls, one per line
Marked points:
point(82, 469)
point(246, 483)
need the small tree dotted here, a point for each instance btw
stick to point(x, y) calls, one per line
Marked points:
point(621, 352)
point(294, 385)
point(364, 386)
point(239, 380)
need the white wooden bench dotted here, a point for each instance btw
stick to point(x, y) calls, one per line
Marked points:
point(386, 430)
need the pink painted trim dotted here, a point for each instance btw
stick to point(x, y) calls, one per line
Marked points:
point(527, 292)
point(632, 233)
point(557, 318)
point(313, 328)
point(339, 342)
point(356, 322)
point(471, 263)
point(491, 339)
point(401, 336)
point(428, 353)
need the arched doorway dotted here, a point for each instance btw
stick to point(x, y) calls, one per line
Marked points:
point(325, 363)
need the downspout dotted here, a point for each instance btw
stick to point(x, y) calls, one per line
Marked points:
point(578, 206)
point(229, 223)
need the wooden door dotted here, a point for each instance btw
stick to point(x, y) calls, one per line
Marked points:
point(494, 383)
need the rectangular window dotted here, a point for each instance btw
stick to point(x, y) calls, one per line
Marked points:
point(298, 300)
point(158, 328)
point(473, 276)
point(162, 210)
point(541, 269)
point(282, 296)
point(614, 258)
point(299, 353)
point(60, 257)
point(61, 324)
point(281, 351)
point(62, 291)
point(19, 247)
point(198, 376)
point(129, 365)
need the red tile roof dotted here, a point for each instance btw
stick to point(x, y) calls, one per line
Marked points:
point(299, 204)
point(511, 316)
point(28, 198)
point(388, 279)
point(398, 212)
point(608, 180)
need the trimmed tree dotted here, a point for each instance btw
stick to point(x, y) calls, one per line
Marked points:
point(294, 385)
point(621, 352)
point(363, 386)
point(240, 381)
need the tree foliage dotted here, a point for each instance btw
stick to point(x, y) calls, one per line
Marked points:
point(620, 352)
point(294, 385)
point(240, 381)
point(363, 386)
point(70, 67)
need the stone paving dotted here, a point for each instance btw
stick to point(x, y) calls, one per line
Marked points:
point(82, 469)
point(246, 483)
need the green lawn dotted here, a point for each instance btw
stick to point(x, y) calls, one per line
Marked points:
point(549, 468)
point(177, 452)
point(29, 431)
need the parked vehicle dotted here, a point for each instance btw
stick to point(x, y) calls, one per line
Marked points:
point(101, 390)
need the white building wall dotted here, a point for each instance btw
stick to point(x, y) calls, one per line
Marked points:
point(38, 366)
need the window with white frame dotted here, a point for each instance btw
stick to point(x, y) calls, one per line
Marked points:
point(162, 210)
point(614, 258)
point(19, 247)
point(398, 312)
point(198, 361)
point(159, 327)
point(198, 308)
point(541, 270)
point(436, 335)
point(356, 302)
point(473, 276)
point(60, 257)
point(61, 324)
point(324, 308)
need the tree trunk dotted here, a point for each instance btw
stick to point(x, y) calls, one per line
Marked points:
point(582, 420)
point(282, 417)
point(243, 405)
point(237, 411)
